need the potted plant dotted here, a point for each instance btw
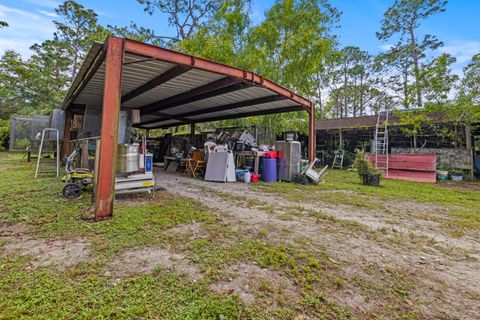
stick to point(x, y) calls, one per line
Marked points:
point(456, 175)
point(368, 174)
point(442, 173)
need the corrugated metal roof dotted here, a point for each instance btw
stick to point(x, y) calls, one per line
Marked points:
point(183, 83)
point(237, 96)
point(139, 70)
point(369, 121)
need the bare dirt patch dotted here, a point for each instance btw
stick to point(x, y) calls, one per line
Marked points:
point(246, 280)
point(392, 238)
point(45, 251)
point(460, 186)
point(192, 230)
point(145, 260)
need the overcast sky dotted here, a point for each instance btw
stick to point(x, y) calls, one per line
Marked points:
point(459, 27)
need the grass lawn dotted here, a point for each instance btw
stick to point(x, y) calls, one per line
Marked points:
point(199, 252)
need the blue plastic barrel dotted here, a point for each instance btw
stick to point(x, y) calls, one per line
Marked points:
point(269, 170)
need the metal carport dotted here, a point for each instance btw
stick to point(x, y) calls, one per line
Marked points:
point(170, 89)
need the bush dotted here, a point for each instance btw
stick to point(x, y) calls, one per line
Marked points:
point(363, 165)
point(4, 133)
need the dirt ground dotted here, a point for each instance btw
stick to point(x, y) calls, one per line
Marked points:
point(444, 269)
point(374, 258)
point(62, 253)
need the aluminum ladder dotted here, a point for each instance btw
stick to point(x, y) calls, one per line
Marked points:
point(381, 142)
point(40, 151)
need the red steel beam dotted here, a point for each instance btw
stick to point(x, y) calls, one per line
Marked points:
point(105, 191)
point(236, 105)
point(293, 108)
point(312, 137)
point(163, 54)
point(221, 86)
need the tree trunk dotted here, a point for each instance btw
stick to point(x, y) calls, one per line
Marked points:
point(361, 95)
point(337, 107)
point(320, 104)
point(405, 88)
point(345, 102)
point(416, 68)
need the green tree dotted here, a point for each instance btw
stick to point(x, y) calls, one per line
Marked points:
point(133, 31)
point(352, 76)
point(290, 46)
point(78, 27)
point(465, 109)
point(438, 80)
point(49, 75)
point(397, 68)
point(224, 37)
point(403, 19)
point(186, 16)
point(14, 75)
point(469, 89)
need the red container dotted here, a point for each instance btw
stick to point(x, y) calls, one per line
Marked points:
point(270, 154)
point(254, 178)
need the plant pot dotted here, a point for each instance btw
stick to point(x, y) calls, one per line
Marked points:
point(457, 176)
point(442, 174)
point(371, 179)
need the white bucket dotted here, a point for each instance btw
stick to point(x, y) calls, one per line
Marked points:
point(247, 177)
point(457, 177)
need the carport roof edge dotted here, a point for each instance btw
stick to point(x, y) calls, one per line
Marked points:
point(269, 98)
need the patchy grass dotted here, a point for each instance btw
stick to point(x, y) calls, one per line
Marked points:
point(39, 203)
point(85, 294)
point(342, 187)
point(321, 285)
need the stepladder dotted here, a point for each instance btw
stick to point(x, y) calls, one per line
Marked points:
point(42, 160)
point(338, 159)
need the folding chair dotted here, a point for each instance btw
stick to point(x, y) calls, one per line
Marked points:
point(196, 165)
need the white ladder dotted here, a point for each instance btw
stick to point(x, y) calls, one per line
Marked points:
point(381, 142)
point(40, 150)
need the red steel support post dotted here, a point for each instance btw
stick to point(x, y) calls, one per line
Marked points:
point(311, 134)
point(105, 191)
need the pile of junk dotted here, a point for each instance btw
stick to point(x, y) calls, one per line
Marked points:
point(233, 154)
point(42, 137)
point(134, 169)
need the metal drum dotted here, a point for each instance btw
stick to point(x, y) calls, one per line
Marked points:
point(127, 160)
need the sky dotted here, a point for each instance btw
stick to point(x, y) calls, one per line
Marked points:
point(459, 27)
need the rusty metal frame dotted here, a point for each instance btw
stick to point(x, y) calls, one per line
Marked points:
point(163, 54)
point(105, 190)
point(113, 52)
point(151, 51)
point(312, 135)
